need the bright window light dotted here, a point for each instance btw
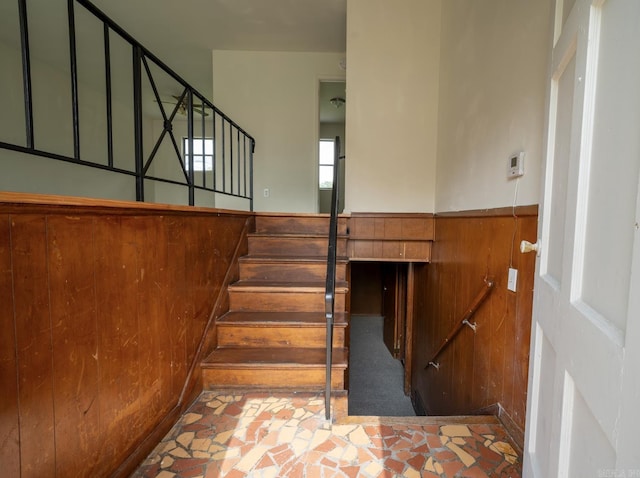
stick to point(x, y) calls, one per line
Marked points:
point(202, 153)
point(326, 164)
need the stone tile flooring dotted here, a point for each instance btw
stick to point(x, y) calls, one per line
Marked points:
point(286, 435)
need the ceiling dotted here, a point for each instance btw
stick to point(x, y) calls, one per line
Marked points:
point(183, 33)
point(276, 25)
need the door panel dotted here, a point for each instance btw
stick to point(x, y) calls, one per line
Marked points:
point(586, 331)
point(562, 110)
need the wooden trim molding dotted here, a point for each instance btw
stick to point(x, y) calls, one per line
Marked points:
point(42, 203)
point(394, 237)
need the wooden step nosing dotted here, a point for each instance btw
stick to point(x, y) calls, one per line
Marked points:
point(280, 325)
point(271, 259)
point(311, 319)
point(292, 235)
point(270, 287)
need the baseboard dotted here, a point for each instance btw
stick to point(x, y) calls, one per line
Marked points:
point(514, 431)
point(418, 404)
point(148, 444)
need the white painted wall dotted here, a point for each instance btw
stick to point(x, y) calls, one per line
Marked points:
point(492, 100)
point(274, 96)
point(53, 133)
point(393, 51)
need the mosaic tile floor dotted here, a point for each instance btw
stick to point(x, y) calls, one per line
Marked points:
point(286, 435)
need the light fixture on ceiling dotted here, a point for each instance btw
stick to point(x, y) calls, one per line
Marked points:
point(337, 102)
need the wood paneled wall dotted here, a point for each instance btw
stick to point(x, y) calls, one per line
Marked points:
point(489, 367)
point(103, 307)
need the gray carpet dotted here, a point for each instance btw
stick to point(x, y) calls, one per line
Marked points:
point(376, 379)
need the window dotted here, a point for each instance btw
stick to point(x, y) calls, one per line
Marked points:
point(326, 164)
point(203, 153)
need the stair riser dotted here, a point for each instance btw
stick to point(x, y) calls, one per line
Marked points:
point(293, 246)
point(272, 378)
point(289, 272)
point(297, 225)
point(282, 301)
point(306, 337)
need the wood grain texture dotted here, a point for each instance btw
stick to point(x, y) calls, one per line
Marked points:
point(390, 237)
point(103, 308)
point(9, 407)
point(33, 337)
point(490, 366)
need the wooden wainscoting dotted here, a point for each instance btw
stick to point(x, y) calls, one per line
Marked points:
point(103, 309)
point(393, 237)
point(489, 367)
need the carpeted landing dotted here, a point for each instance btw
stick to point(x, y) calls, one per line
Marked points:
point(376, 379)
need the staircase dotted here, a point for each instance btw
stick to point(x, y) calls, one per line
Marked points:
point(273, 337)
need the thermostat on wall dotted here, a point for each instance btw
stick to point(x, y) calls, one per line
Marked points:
point(516, 165)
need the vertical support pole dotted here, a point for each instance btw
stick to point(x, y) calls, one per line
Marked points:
point(327, 391)
point(192, 198)
point(224, 160)
point(244, 163)
point(204, 145)
point(73, 60)
point(231, 155)
point(107, 74)
point(238, 157)
point(251, 151)
point(137, 113)
point(26, 72)
point(215, 149)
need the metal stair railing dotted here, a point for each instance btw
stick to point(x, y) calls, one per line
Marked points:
point(231, 160)
point(330, 289)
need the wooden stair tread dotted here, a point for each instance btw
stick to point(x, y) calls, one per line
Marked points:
point(280, 286)
point(297, 319)
point(255, 357)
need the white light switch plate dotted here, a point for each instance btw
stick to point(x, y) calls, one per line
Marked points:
point(513, 279)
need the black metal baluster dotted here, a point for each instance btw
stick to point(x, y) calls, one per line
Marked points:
point(224, 160)
point(251, 152)
point(137, 114)
point(238, 159)
point(215, 148)
point(26, 72)
point(73, 61)
point(244, 161)
point(204, 145)
point(231, 156)
point(192, 198)
point(107, 73)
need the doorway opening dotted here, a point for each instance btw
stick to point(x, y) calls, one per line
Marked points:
point(377, 375)
point(331, 108)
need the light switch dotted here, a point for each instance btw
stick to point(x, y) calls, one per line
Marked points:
point(512, 282)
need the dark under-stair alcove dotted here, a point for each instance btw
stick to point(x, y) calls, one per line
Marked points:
point(376, 378)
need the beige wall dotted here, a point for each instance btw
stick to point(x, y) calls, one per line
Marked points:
point(492, 101)
point(274, 96)
point(392, 104)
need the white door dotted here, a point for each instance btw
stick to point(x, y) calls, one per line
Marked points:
point(584, 377)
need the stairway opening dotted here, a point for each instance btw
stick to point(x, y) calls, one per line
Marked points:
point(376, 341)
point(376, 378)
